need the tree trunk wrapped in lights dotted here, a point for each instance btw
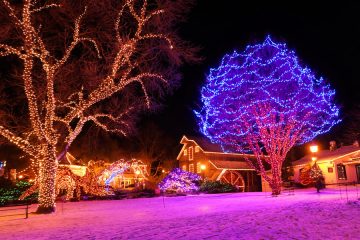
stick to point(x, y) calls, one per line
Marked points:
point(262, 101)
point(82, 62)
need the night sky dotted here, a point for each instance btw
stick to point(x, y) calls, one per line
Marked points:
point(324, 36)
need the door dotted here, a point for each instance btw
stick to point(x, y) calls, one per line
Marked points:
point(358, 172)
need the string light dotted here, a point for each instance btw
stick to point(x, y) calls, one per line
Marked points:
point(123, 71)
point(179, 180)
point(118, 168)
point(263, 101)
point(94, 182)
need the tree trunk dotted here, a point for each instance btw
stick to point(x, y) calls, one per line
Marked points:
point(47, 178)
point(276, 188)
point(276, 181)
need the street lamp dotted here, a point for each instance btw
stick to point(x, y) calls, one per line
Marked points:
point(137, 172)
point(314, 148)
point(202, 169)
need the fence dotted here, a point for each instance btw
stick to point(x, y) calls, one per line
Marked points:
point(348, 191)
point(13, 208)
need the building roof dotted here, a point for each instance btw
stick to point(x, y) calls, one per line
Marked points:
point(205, 144)
point(231, 165)
point(327, 155)
point(211, 149)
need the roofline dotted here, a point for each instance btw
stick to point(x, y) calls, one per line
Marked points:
point(238, 154)
point(245, 169)
point(182, 149)
point(333, 159)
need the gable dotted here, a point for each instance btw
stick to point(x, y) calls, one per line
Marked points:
point(187, 143)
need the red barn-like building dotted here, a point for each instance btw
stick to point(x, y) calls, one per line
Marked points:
point(199, 155)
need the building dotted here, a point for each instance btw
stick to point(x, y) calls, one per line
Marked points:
point(199, 155)
point(128, 177)
point(338, 165)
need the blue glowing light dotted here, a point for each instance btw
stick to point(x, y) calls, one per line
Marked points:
point(264, 89)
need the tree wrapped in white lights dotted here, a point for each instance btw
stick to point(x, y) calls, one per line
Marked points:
point(83, 62)
point(262, 101)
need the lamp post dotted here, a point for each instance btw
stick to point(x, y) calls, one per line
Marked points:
point(203, 168)
point(314, 149)
point(137, 172)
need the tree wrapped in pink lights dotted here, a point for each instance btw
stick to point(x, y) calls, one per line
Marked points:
point(180, 181)
point(263, 101)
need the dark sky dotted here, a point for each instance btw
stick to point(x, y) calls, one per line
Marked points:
point(325, 36)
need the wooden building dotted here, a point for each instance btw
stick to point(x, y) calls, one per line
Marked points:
point(199, 155)
point(338, 165)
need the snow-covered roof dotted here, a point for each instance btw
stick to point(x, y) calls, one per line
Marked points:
point(205, 144)
point(350, 152)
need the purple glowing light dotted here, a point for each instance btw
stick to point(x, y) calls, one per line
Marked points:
point(180, 181)
point(264, 76)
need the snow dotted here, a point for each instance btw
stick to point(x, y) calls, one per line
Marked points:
point(330, 214)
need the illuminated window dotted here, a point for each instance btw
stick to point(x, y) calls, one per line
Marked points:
point(341, 172)
point(197, 149)
point(184, 167)
point(198, 167)
point(185, 152)
point(191, 168)
point(191, 153)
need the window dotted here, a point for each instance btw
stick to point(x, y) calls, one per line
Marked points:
point(197, 149)
point(341, 172)
point(183, 167)
point(185, 152)
point(198, 167)
point(191, 168)
point(191, 153)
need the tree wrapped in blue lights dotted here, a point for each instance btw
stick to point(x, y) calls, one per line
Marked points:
point(180, 181)
point(262, 101)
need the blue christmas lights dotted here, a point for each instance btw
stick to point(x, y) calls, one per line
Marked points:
point(180, 181)
point(265, 76)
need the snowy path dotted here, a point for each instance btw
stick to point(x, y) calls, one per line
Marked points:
point(305, 215)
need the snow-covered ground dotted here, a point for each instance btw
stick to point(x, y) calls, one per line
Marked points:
point(304, 215)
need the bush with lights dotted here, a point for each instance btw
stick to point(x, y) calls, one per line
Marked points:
point(9, 192)
point(180, 181)
point(217, 187)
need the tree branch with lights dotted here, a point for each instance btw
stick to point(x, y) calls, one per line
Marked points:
point(72, 70)
point(263, 102)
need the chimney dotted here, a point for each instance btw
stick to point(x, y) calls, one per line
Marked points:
point(356, 143)
point(332, 145)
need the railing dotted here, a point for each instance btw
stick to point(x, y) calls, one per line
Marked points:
point(343, 189)
point(13, 207)
point(289, 186)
